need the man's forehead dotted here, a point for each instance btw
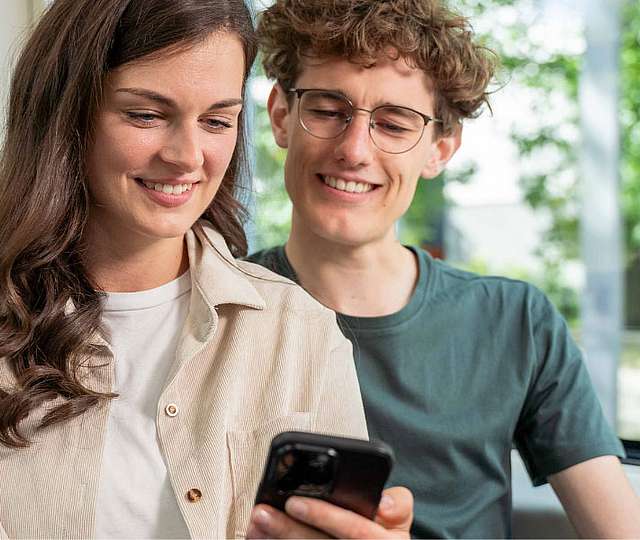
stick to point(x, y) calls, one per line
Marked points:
point(331, 70)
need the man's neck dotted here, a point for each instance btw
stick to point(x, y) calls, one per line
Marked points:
point(369, 280)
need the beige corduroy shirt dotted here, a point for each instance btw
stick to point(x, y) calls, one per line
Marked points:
point(257, 356)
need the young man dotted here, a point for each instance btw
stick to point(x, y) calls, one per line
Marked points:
point(454, 368)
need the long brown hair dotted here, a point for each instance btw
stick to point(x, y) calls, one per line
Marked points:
point(55, 92)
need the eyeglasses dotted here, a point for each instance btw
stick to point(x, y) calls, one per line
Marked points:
point(326, 115)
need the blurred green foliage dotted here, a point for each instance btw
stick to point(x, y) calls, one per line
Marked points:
point(630, 118)
point(270, 223)
point(560, 73)
point(549, 152)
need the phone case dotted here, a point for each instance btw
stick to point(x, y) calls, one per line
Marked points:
point(356, 470)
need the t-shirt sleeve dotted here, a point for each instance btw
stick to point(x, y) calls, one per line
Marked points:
point(562, 423)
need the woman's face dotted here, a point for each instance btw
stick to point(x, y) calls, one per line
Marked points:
point(163, 139)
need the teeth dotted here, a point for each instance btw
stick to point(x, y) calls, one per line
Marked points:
point(169, 189)
point(349, 187)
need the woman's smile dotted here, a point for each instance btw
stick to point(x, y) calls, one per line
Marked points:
point(168, 193)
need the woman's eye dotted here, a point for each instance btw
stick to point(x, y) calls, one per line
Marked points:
point(218, 124)
point(143, 118)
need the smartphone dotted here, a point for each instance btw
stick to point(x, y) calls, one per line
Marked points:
point(350, 473)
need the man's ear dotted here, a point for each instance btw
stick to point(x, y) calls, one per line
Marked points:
point(442, 150)
point(278, 108)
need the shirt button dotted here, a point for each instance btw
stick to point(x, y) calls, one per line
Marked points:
point(171, 409)
point(194, 495)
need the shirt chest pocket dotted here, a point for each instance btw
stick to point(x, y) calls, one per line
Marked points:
point(247, 453)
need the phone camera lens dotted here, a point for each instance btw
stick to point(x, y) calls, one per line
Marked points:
point(319, 469)
point(305, 472)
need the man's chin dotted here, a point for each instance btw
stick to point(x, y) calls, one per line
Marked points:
point(346, 235)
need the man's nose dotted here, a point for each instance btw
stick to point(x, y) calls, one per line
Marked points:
point(354, 146)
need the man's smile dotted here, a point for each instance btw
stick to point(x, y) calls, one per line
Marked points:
point(346, 184)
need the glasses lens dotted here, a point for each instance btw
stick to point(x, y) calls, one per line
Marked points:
point(324, 114)
point(396, 129)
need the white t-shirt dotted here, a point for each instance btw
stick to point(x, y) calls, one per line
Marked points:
point(135, 498)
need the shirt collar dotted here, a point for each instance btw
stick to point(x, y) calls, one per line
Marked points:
point(216, 280)
point(216, 272)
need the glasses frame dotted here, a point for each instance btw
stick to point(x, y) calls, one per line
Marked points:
point(299, 92)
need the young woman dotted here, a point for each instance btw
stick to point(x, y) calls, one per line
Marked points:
point(143, 371)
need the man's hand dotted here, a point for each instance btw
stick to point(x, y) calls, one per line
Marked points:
point(313, 518)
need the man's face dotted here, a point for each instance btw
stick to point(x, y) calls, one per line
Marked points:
point(346, 190)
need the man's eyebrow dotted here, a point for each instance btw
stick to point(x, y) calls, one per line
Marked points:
point(339, 92)
point(164, 100)
point(334, 91)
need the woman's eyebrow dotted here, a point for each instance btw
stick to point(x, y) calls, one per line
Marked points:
point(225, 103)
point(164, 100)
point(149, 94)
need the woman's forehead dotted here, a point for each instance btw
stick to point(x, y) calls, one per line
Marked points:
point(194, 68)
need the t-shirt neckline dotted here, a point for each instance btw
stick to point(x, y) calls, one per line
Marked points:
point(129, 301)
point(416, 302)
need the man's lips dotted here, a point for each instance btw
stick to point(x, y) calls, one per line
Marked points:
point(347, 184)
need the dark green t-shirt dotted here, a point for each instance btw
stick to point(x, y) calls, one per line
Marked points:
point(470, 367)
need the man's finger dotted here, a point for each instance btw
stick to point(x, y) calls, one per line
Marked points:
point(267, 522)
point(333, 520)
point(396, 509)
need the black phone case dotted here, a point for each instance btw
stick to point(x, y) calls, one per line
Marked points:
point(362, 470)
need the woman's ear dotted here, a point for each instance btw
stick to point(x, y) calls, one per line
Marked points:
point(441, 151)
point(279, 113)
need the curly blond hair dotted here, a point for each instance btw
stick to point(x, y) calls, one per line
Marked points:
point(426, 33)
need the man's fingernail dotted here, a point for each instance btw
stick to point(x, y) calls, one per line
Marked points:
point(255, 533)
point(261, 517)
point(296, 507)
point(386, 503)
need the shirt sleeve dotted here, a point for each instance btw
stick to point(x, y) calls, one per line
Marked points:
point(562, 423)
point(340, 410)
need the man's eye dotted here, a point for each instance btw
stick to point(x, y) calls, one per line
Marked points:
point(391, 127)
point(327, 113)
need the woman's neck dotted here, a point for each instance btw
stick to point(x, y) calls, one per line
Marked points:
point(128, 264)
